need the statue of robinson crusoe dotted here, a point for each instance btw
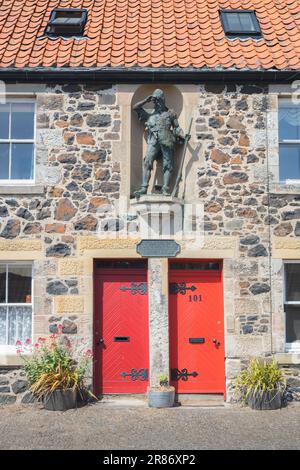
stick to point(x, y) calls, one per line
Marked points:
point(163, 132)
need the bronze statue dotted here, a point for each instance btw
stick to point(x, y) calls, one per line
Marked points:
point(163, 132)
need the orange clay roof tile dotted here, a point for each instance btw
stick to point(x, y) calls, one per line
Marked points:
point(150, 33)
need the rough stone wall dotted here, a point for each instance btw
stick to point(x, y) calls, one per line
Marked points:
point(231, 126)
point(292, 375)
point(13, 386)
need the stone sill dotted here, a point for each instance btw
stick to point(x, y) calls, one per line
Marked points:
point(22, 189)
point(10, 359)
point(282, 188)
point(287, 358)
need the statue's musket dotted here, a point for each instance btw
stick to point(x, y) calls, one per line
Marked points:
point(179, 177)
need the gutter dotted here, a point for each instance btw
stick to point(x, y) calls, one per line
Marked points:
point(146, 75)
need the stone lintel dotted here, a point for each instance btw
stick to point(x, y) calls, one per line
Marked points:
point(21, 249)
point(94, 242)
point(213, 246)
point(285, 248)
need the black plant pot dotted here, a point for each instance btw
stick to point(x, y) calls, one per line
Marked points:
point(270, 400)
point(60, 400)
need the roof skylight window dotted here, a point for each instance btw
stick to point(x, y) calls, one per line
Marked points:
point(240, 23)
point(67, 22)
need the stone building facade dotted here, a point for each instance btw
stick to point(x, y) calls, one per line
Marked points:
point(251, 220)
point(71, 157)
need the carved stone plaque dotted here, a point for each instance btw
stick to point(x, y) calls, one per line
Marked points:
point(158, 248)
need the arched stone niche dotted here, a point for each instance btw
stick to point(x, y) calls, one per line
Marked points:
point(174, 100)
point(129, 152)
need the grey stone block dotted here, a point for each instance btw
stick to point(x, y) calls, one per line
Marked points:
point(7, 399)
point(19, 386)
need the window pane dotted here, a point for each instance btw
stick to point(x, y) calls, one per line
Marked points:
point(22, 162)
point(233, 21)
point(19, 284)
point(67, 20)
point(4, 121)
point(289, 121)
point(246, 22)
point(289, 162)
point(61, 15)
point(3, 325)
point(292, 324)
point(292, 282)
point(2, 283)
point(22, 121)
point(19, 324)
point(4, 161)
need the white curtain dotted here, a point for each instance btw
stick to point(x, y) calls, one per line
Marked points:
point(15, 324)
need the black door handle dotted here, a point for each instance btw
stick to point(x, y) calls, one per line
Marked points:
point(217, 343)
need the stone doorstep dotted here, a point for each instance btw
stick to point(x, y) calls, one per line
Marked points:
point(185, 400)
point(200, 400)
point(123, 401)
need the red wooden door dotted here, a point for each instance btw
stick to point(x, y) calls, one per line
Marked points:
point(121, 331)
point(196, 330)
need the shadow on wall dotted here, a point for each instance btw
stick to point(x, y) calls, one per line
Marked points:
point(174, 100)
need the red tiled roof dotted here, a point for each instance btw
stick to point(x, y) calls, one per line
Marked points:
point(150, 33)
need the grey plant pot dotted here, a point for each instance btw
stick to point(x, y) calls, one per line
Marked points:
point(266, 401)
point(61, 400)
point(161, 398)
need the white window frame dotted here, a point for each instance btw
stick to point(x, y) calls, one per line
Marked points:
point(286, 141)
point(10, 182)
point(9, 348)
point(295, 346)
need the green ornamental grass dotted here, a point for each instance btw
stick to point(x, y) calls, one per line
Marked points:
point(259, 378)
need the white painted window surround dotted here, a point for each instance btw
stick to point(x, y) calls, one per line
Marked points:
point(282, 140)
point(16, 305)
point(292, 305)
point(289, 140)
point(17, 141)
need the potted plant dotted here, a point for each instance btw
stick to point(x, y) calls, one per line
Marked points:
point(55, 377)
point(163, 395)
point(261, 385)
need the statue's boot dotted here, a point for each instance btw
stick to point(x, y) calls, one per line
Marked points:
point(141, 191)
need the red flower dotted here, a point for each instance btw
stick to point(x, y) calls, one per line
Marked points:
point(19, 351)
point(88, 353)
point(41, 340)
point(28, 341)
point(18, 343)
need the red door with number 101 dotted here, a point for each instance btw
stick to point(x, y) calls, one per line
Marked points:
point(196, 327)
